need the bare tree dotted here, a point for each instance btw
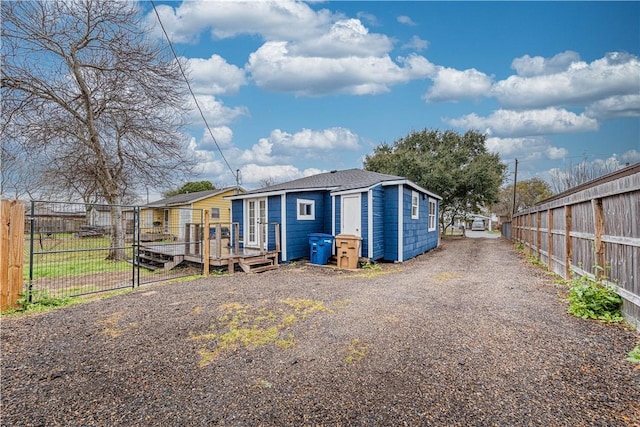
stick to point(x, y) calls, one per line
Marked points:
point(585, 171)
point(87, 90)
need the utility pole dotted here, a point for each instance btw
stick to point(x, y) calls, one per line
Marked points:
point(237, 182)
point(515, 184)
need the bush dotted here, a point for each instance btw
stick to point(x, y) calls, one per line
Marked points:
point(591, 299)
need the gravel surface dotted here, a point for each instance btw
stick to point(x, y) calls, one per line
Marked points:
point(468, 334)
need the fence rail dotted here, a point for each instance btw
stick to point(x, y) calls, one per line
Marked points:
point(593, 230)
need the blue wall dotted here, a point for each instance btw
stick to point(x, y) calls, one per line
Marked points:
point(364, 221)
point(298, 230)
point(237, 214)
point(378, 223)
point(274, 214)
point(417, 238)
point(390, 223)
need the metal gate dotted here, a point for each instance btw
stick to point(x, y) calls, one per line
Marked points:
point(77, 248)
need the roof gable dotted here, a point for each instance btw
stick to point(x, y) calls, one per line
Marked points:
point(188, 198)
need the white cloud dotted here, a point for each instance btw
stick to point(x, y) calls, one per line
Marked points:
point(630, 157)
point(214, 76)
point(416, 43)
point(271, 19)
point(259, 153)
point(451, 85)
point(527, 66)
point(223, 136)
point(336, 138)
point(274, 68)
point(215, 111)
point(578, 84)
point(525, 148)
point(253, 175)
point(556, 153)
point(403, 19)
point(527, 123)
point(345, 38)
point(615, 106)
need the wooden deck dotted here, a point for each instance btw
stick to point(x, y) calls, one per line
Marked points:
point(209, 252)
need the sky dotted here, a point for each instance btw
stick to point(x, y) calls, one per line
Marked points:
point(291, 89)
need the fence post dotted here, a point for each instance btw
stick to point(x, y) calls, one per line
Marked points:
point(598, 225)
point(568, 253)
point(206, 252)
point(12, 250)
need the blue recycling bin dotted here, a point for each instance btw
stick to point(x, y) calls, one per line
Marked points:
point(320, 246)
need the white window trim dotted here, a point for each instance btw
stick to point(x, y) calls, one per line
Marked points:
point(300, 202)
point(433, 215)
point(415, 196)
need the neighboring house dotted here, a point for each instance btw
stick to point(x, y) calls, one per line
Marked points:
point(396, 218)
point(170, 215)
point(99, 215)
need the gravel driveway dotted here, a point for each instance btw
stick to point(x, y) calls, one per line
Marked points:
point(468, 334)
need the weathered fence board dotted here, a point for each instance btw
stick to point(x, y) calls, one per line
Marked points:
point(11, 252)
point(593, 229)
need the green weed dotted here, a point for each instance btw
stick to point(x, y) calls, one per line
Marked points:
point(594, 299)
point(634, 355)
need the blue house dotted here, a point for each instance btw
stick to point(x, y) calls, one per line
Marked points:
point(396, 218)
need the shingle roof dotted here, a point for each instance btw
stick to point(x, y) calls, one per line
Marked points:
point(349, 179)
point(183, 199)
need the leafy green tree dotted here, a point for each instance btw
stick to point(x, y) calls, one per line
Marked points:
point(528, 193)
point(457, 167)
point(191, 187)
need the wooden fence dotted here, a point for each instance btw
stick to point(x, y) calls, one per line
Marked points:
point(11, 252)
point(593, 230)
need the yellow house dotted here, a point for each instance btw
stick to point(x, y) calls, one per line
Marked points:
point(173, 214)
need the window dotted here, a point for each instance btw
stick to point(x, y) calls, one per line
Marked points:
point(215, 213)
point(432, 214)
point(306, 209)
point(148, 222)
point(414, 205)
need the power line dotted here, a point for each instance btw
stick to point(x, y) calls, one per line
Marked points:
point(191, 90)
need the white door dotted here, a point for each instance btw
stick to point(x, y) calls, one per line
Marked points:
point(256, 215)
point(350, 221)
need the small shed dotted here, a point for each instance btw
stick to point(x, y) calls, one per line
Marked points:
point(395, 218)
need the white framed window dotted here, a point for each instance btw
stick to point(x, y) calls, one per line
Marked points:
point(432, 215)
point(215, 213)
point(306, 209)
point(415, 205)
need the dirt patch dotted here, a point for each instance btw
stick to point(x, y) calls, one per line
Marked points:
point(469, 334)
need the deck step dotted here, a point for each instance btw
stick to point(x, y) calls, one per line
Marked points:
point(263, 268)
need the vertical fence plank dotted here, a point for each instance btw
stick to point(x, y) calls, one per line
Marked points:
point(538, 234)
point(599, 246)
point(567, 246)
point(11, 253)
point(550, 239)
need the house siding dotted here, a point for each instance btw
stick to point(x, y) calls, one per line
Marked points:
point(390, 223)
point(274, 214)
point(298, 230)
point(216, 201)
point(378, 222)
point(416, 236)
point(364, 224)
point(338, 209)
point(237, 214)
